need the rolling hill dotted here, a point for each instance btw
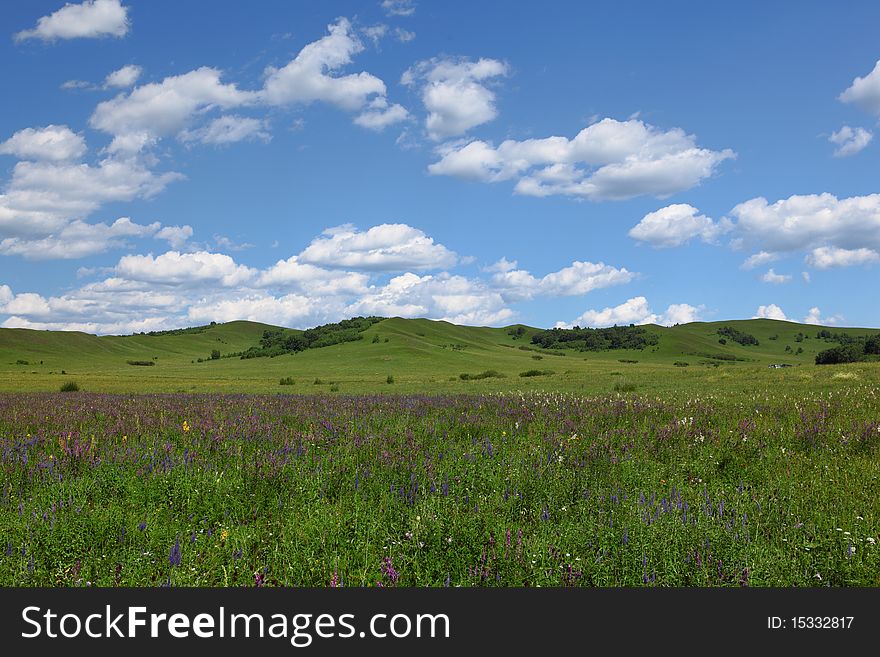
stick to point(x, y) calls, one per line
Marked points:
point(418, 355)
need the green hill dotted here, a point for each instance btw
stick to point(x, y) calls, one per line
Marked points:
point(420, 355)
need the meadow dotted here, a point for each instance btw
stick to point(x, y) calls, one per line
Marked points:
point(536, 489)
point(379, 463)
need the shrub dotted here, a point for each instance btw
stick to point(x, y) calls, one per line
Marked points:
point(389, 379)
point(286, 381)
point(536, 373)
point(849, 353)
point(538, 357)
point(69, 386)
point(21, 362)
point(722, 341)
point(681, 363)
point(624, 387)
point(626, 360)
point(318, 382)
point(142, 363)
point(744, 339)
point(488, 374)
point(215, 354)
point(334, 388)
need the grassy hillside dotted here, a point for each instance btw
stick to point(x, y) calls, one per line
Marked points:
point(424, 356)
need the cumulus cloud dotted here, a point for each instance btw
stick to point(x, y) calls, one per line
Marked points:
point(577, 279)
point(175, 268)
point(379, 115)
point(810, 221)
point(815, 317)
point(45, 196)
point(677, 224)
point(850, 141)
point(445, 297)
point(770, 311)
point(292, 273)
point(772, 277)
point(865, 92)
point(607, 160)
point(77, 239)
point(826, 257)
point(228, 129)
point(287, 310)
point(404, 36)
point(50, 194)
point(635, 311)
point(455, 94)
point(387, 247)
point(160, 109)
point(55, 143)
point(343, 272)
point(90, 19)
point(123, 77)
point(176, 236)
point(313, 75)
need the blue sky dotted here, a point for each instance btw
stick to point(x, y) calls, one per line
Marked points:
point(166, 164)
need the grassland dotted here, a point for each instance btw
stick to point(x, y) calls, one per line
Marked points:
point(426, 357)
point(377, 463)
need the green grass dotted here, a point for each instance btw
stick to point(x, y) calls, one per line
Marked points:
point(422, 355)
point(480, 490)
point(459, 468)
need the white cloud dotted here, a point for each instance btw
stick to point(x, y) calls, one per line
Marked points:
point(77, 240)
point(445, 297)
point(850, 141)
point(160, 109)
point(123, 77)
point(387, 247)
point(228, 129)
point(404, 36)
point(455, 94)
point(309, 77)
point(677, 224)
point(758, 259)
point(635, 311)
point(380, 115)
point(54, 142)
point(577, 279)
point(399, 7)
point(309, 279)
point(288, 310)
point(771, 311)
point(90, 19)
point(826, 257)
point(815, 220)
point(815, 317)
point(681, 313)
point(806, 276)
point(375, 33)
point(607, 160)
point(176, 236)
point(175, 268)
point(44, 204)
point(865, 92)
point(42, 197)
point(772, 277)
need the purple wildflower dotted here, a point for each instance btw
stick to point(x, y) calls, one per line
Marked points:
point(389, 571)
point(174, 556)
